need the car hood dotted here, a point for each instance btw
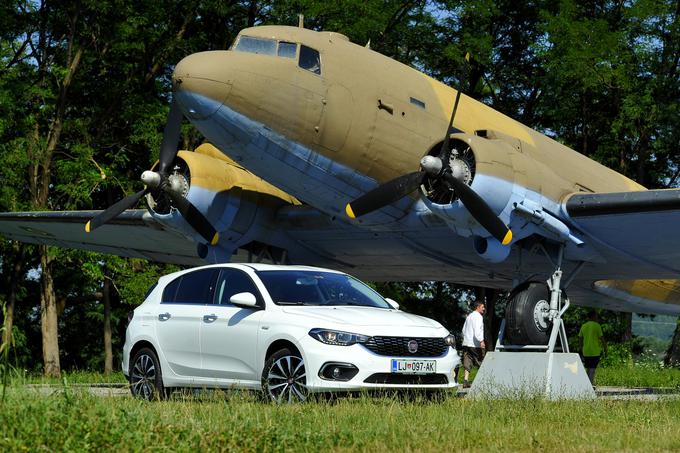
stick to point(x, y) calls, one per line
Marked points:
point(362, 316)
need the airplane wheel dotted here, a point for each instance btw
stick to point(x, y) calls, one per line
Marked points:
point(526, 317)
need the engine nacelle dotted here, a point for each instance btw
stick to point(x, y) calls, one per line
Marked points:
point(486, 165)
point(236, 202)
point(490, 249)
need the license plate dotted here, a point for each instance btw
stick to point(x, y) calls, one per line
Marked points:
point(403, 366)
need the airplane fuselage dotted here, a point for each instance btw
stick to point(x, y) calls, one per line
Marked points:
point(373, 116)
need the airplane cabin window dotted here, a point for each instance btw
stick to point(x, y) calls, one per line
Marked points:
point(417, 102)
point(310, 60)
point(287, 49)
point(256, 45)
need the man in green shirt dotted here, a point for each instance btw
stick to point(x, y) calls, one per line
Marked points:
point(591, 344)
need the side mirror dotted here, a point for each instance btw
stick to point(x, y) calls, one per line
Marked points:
point(245, 300)
point(393, 303)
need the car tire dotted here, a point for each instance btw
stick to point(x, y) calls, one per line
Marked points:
point(146, 379)
point(284, 377)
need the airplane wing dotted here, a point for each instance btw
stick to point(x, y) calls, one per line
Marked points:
point(638, 232)
point(641, 226)
point(133, 234)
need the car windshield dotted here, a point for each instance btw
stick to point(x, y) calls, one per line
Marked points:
point(319, 288)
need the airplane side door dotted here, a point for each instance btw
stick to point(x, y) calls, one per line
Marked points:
point(229, 333)
point(178, 320)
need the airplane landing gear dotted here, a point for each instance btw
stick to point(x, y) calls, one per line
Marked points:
point(533, 318)
point(527, 315)
point(525, 362)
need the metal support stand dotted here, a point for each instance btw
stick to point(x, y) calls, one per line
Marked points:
point(536, 370)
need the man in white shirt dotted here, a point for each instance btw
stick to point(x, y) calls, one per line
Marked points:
point(473, 340)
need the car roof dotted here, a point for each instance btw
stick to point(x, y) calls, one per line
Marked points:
point(254, 266)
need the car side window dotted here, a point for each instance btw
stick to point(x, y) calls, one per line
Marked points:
point(234, 281)
point(192, 288)
point(309, 59)
point(170, 291)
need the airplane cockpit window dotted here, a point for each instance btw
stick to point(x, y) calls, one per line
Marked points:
point(256, 45)
point(287, 49)
point(309, 59)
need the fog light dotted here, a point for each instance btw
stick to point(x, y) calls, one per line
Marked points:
point(338, 371)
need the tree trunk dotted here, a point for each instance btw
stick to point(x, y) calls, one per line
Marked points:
point(627, 331)
point(13, 284)
point(673, 352)
point(108, 352)
point(48, 317)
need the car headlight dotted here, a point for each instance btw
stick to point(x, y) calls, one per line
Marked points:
point(450, 340)
point(337, 338)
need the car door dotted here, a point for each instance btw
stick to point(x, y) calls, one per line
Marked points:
point(229, 333)
point(178, 319)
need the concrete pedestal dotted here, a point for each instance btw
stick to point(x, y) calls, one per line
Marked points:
point(517, 375)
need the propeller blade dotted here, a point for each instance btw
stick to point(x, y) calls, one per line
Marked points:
point(170, 138)
point(194, 217)
point(445, 145)
point(480, 210)
point(385, 194)
point(113, 210)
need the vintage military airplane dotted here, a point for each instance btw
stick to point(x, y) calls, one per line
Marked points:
point(368, 167)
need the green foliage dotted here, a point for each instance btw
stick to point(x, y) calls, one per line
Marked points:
point(618, 355)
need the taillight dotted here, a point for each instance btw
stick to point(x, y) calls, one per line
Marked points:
point(131, 315)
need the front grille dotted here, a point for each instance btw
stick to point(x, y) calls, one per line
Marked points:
point(398, 346)
point(407, 379)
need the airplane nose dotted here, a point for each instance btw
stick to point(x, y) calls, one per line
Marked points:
point(202, 83)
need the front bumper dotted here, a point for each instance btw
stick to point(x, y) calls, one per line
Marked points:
point(316, 354)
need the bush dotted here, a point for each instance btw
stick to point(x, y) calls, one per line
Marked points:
point(618, 355)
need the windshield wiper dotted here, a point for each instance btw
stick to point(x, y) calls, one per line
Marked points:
point(284, 302)
point(354, 304)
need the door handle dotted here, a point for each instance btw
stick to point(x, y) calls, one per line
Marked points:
point(209, 318)
point(164, 316)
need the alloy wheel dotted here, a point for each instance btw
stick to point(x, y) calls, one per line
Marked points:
point(143, 377)
point(286, 380)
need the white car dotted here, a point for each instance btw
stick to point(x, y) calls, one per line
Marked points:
point(288, 330)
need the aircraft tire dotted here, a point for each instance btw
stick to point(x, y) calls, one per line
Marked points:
point(524, 320)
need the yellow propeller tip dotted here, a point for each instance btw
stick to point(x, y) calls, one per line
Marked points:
point(508, 237)
point(215, 239)
point(87, 226)
point(467, 56)
point(349, 212)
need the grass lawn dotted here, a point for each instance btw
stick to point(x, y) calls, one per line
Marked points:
point(72, 420)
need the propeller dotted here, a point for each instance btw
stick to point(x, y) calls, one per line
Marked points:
point(434, 167)
point(160, 181)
